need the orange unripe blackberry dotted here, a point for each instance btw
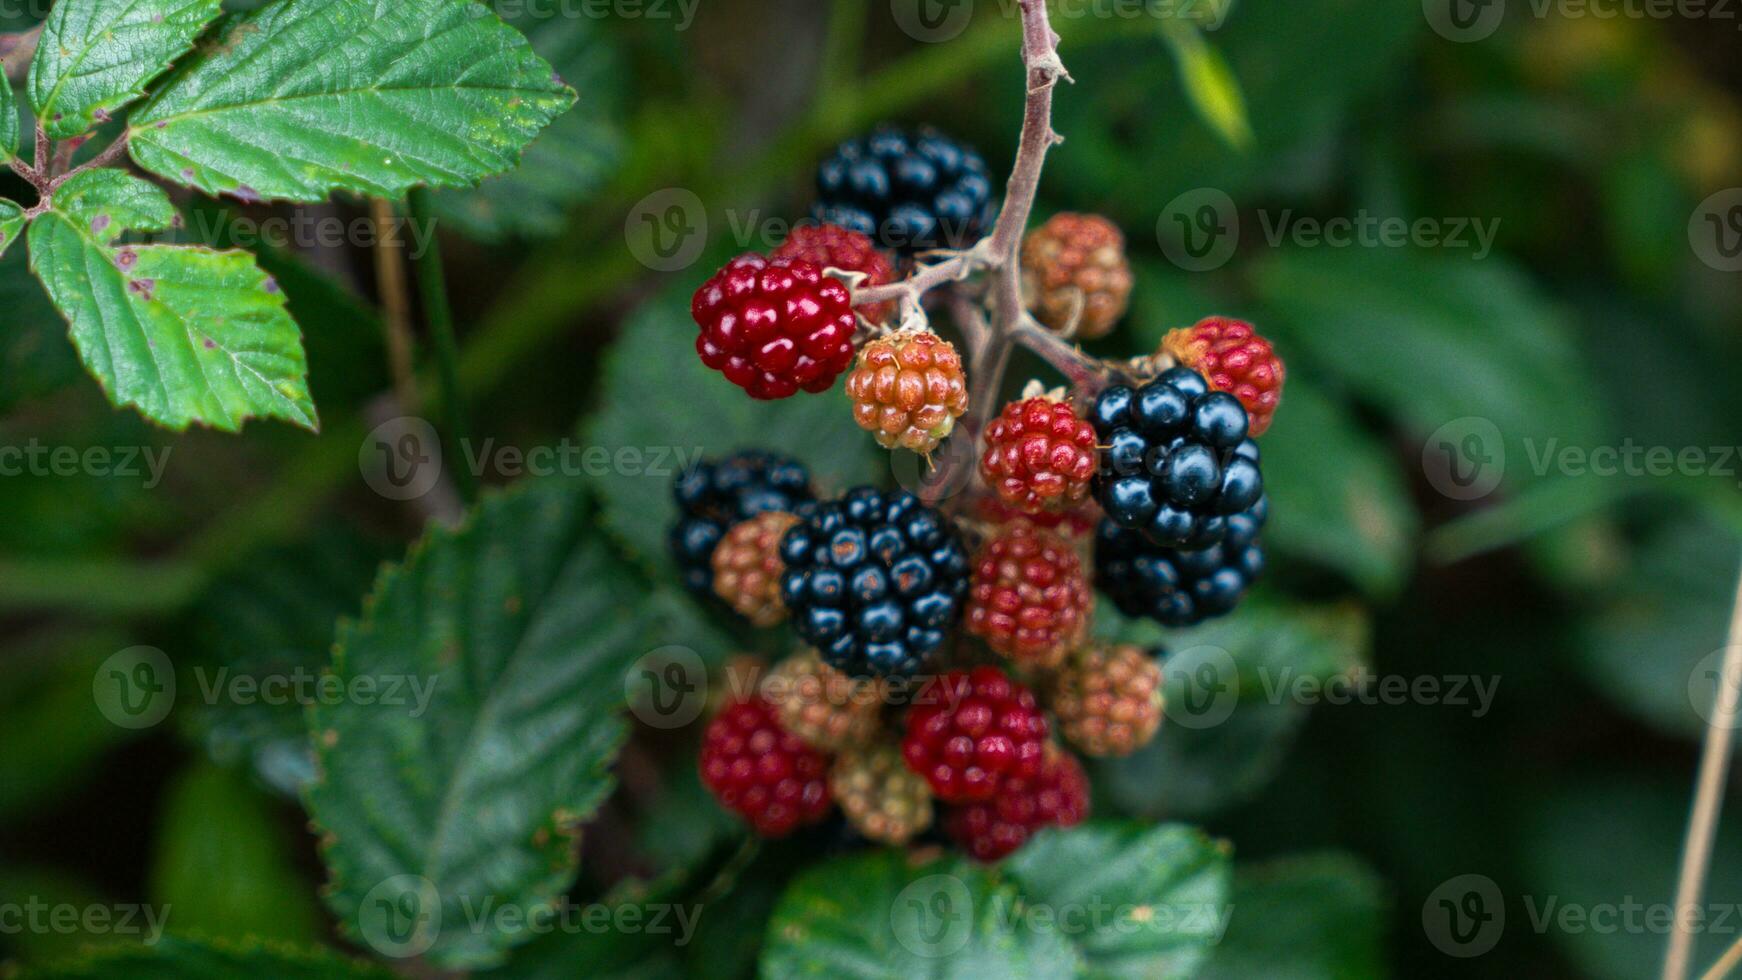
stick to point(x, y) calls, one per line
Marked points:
point(821, 705)
point(747, 567)
point(1108, 699)
point(1075, 265)
point(908, 389)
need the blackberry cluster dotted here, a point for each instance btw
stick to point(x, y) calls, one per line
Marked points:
point(1178, 462)
point(874, 581)
point(713, 495)
point(1181, 588)
point(908, 192)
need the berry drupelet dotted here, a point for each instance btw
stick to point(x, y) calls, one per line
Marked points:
point(874, 581)
point(774, 327)
point(715, 495)
point(1178, 462)
point(908, 191)
point(1180, 588)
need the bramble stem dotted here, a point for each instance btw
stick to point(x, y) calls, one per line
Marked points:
point(390, 282)
point(432, 282)
point(1708, 798)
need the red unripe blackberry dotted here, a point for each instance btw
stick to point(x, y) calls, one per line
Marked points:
point(1233, 358)
point(1029, 597)
point(1040, 455)
point(762, 772)
point(970, 730)
point(1075, 523)
point(1108, 700)
point(834, 247)
point(1075, 265)
point(747, 567)
point(1058, 796)
point(774, 327)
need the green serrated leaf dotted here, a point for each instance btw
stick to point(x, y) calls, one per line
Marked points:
point(573, 158)
point(302, 98)
point(11, 223)
point(222, 865)
point(1306, 917)
point(519, 626)
point(96, 56)
point(1139, 900)
point(712, 417)
point(177, 958)
point(184, 334)
point(8, 117)
point(878, 915)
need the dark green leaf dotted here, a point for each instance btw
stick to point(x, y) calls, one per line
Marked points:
point(8, 117)
point(222, 864)
point(879, 915)
point(518, 627)
point(1353, 515)
point(1312, 917)
point(1435, 340)
point(272, 620)
point(11, 224)
point(374, 98)
point(184, 334)
point(175, 958)
point(96, 56)
point(1225, 736)
point(1654, 645)
point(700, 413)
point(1141, 901)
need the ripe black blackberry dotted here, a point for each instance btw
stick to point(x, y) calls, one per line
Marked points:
point(1177, 463)
point(713, 495)
point(1180, 588)
point(909, 192)
point(874, 581)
